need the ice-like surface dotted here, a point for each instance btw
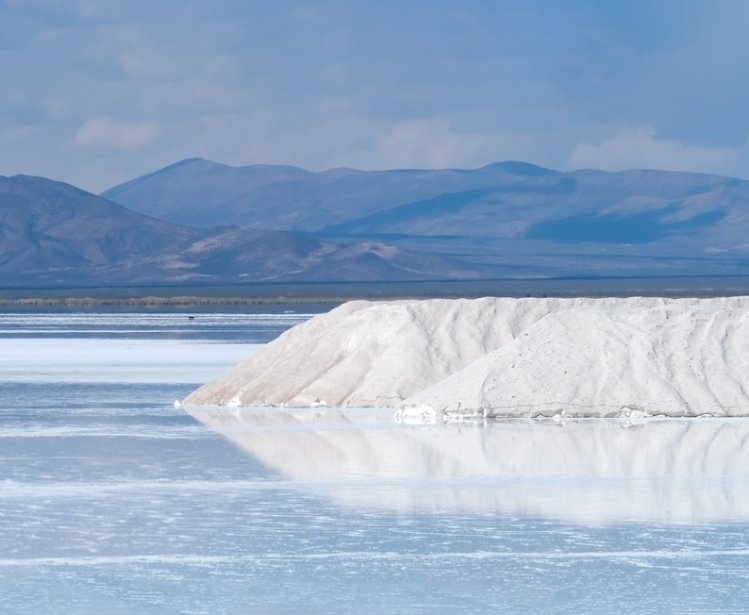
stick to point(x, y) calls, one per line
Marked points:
point(141, 347)
point(508, 357)
point(178, 324)
point(67, 360)
point(114, 501)
point(684, 469)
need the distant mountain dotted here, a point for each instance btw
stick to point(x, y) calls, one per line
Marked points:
point(512, 219)
point(203, 193)
point(630, 207)
point(273, 223)
point(244, 256)
point(53, 234)
point(580, 223)
point(501, 200)
point(51, 230)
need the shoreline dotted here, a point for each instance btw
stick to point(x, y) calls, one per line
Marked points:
point(187, 302)
point(330, 293)
point(159, 302)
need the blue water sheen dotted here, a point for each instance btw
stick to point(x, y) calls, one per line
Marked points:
point(114, 501)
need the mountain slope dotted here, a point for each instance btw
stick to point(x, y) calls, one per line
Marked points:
point(53, 229)
point(583, 206)
point(53, 234)
point(203, 193)
point(504, 220)
point(251, 255)
point(579, 223)
point(668, 213)
point(200, 189)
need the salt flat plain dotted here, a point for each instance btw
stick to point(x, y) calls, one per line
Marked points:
point(113, 500)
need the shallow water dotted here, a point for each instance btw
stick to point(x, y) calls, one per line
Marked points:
point(113, 501)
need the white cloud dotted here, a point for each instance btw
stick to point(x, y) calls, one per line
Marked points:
point(19, 132)
point(438, 143)
point(427, 142)
point(105, 133)
point(54, 107)
point(340, 139)
point(86, 10)
point(244, 82)
point(639, 148)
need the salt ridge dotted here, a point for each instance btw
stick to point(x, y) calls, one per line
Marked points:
point(507, 357)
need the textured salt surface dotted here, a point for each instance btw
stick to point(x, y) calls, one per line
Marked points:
point(507, 357)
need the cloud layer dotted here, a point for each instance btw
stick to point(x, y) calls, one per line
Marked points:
point(98, 92)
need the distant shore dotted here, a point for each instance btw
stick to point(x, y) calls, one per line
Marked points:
point(158, 302)
point(320, 293)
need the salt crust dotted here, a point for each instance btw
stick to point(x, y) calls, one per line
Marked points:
point(507, 357)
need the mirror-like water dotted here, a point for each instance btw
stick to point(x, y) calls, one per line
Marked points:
point(113, 501)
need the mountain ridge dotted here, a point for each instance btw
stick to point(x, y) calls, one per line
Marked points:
point(54, 234)
point(515, 196)
point(291, 198)
point(280, 223)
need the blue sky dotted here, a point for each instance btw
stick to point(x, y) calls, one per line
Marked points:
point(97, 91)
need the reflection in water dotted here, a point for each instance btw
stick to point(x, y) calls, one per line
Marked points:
point(585, 471)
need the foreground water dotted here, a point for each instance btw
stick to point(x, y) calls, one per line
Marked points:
point(114, 501)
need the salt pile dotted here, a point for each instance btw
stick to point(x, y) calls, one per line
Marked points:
point(507, 357)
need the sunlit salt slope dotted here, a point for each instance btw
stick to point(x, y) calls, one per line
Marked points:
point(507, 357)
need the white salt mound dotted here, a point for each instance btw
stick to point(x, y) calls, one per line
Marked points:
point(372, 354)
point(507, 357)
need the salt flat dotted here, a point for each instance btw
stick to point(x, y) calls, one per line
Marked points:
point(115, 501)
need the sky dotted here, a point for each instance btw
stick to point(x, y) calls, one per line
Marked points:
point(96, 92)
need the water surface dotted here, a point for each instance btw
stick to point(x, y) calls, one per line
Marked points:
point(115, 501)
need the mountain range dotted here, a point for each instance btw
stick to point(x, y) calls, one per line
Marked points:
point(509, 219)
point(200, 192)
point(200, 222)
point(53, 234)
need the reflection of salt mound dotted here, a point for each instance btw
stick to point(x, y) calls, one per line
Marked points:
point(583, 471)
point(508, 357)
